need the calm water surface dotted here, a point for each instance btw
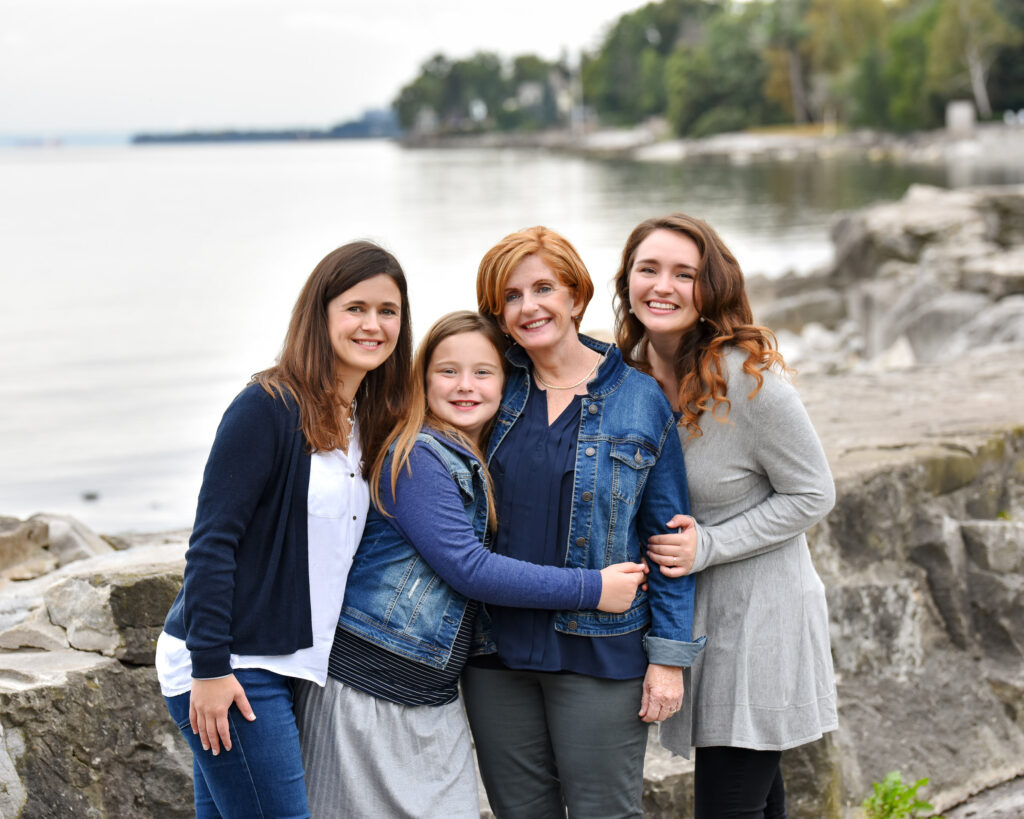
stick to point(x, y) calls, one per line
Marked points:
point(142, 286)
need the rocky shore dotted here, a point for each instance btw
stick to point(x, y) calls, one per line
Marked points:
point(911, 349)
point(986, 143)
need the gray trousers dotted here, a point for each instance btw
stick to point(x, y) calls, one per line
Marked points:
point(550, 743)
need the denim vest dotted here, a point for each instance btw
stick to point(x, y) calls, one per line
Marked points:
point(629, 481)
point(393, 598)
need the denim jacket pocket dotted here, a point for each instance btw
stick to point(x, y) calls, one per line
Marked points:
point(631, 461)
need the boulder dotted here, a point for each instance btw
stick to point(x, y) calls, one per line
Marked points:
point(21, 541)
point(86, 736)
point(995, 545)
point(70, 539)
point(931, 326)
point(878, 623)
point(35, 631)
point(120, 610)
point(940, 722)
point(668, 781)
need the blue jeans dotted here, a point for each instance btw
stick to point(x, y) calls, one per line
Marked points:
point(262, 775)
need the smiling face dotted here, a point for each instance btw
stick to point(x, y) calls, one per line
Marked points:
point(464, 382)
point(363, 324)
point(539, 309)
point(661, 283)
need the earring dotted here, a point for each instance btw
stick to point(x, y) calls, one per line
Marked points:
point(702, 319)
point(632, 312)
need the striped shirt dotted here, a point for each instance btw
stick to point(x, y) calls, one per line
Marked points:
point(373, 670)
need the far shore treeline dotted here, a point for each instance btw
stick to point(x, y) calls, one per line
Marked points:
point(708, 66)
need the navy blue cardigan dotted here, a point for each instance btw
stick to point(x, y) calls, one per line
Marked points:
point(246, 588)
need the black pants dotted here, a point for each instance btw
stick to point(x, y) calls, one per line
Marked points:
point(739, 784)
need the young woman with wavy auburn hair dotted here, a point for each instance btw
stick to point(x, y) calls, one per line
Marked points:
point(758, 479)
point(280, 513)
point(724, 321)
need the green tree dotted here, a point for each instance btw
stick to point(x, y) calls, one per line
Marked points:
point(425, 93)
point(967, 38)
point(624, 80)
point(838, 33)
point(717, 86)
point(911, 104)
point(787, 35)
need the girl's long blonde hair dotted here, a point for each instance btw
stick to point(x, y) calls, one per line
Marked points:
point(403, 437)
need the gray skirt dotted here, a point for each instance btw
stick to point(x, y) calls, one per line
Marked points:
point(366, 757)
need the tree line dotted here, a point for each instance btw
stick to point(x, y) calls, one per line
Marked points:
point(708, 66)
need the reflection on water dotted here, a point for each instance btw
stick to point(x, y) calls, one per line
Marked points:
point(144, 285)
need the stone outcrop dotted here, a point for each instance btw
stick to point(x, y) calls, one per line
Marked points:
point(935, 275)
point(84, 731)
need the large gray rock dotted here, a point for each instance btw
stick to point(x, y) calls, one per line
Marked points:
point(86, 736)
point(119, 609)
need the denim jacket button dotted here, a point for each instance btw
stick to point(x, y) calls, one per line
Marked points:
point(590, 451)
point(588, 496)
point(592, 409)
point(572, 625)
point(581, 541)
point(638, 457)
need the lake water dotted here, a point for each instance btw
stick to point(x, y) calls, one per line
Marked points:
point(143, 285)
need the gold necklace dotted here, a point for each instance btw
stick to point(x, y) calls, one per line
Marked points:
point(544, 383)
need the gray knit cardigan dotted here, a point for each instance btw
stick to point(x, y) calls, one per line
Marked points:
point(758, 481)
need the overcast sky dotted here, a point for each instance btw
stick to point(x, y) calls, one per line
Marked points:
point(127, 65)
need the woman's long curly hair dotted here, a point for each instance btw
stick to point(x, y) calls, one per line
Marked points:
point(726, 321)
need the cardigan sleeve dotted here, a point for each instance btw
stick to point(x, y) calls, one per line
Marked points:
point(786, 449)
point(241, 463)
point(430, 514)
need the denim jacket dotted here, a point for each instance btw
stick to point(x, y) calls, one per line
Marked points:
point(629, 481)
point(393, 598)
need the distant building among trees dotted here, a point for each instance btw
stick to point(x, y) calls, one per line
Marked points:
point(707, 66)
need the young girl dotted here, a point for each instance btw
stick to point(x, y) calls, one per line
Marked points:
point(280, 512)
point(387, 736)
point(758, 481)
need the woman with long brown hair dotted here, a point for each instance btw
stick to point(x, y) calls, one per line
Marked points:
point(281, 511)
point(758, 480)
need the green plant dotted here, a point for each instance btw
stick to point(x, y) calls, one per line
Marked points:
point(892, 799)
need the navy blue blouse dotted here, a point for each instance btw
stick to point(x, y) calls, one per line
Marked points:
point(533, 472)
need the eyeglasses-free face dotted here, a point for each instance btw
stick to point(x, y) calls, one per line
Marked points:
point(539, 310)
